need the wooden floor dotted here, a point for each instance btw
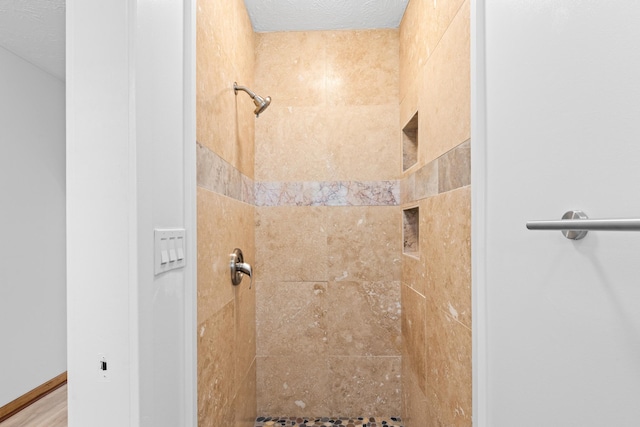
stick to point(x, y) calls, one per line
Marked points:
point(50, 411)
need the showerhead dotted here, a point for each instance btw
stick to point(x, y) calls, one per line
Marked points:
point(260, 102)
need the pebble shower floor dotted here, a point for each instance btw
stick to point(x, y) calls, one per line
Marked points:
point(329, 422)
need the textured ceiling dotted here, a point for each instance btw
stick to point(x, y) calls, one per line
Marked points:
point(34, 30)
point(303, 15)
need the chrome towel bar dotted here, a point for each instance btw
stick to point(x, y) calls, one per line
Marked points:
point(575, 225)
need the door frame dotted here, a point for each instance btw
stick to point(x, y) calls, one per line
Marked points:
point(190, 216)
point(478, 213)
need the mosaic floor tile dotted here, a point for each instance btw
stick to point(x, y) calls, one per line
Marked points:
point(328, 422)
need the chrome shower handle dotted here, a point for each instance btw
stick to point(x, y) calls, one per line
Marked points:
point(576, 224)
point(243, 267)
point(238, 268)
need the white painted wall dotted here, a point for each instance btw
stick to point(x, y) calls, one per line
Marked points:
point(32, 213)
point(131, 168)
point(556, 127)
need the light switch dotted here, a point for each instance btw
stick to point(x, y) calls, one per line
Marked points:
point(169, 249)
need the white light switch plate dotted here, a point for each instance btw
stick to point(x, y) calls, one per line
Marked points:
point(168, 243)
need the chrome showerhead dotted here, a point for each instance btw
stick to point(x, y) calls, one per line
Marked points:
point(260, 102)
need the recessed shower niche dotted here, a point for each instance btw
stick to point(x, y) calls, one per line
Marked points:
point(411, 231)
point(410, 143)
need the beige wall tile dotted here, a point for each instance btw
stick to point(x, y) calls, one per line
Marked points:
point(363, 143)
point(439, 15)
point(292, 242)
point(225, 125)
point(227, 24)
point(414, 337)
point(447, 96)
point(292, 322)
point(290, 66)
point(319, 144)
point(245, 327)
point(409, 103)
point(364, 243)
point(224, 54)
point(302, 247)
point(448, 369)
point(369, 324)
point(245, 67)
point(216, 340)
point(328, 67)
point(291, 143)
point(244, 146)
point(434, 79)
point(226, 346)
point(225, 121)
point(215, 101)
point(414, 273)
point(445, 246)
point(244, 43)
point(447, 250)
point(362, 67)
point(296, 385)
point(292, 316)
point(421, 30)
point(314, 315)
point(414, 401)
point(244, 402)
point(365, 385)
point(223, 224)
point(219, 20)
point(305, 73)
point(413, 44)
point(213, 291)
point(409, 107)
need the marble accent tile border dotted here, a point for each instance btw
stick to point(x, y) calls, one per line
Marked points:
point(328, 193)
point(450, 171)
point(217, 175)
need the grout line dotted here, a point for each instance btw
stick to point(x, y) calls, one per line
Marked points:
point(455, 15)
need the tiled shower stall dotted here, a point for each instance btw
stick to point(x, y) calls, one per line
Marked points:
point(350, 197)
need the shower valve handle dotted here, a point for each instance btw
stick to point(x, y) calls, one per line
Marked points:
point(239, 268)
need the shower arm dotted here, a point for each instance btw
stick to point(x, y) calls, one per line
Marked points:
point(260, 102)
point(236, 88)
